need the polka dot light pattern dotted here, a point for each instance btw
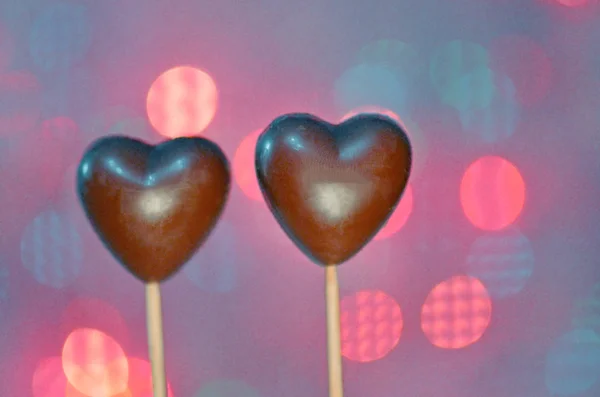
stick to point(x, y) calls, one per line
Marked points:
point(456, 312)
point(371, 324)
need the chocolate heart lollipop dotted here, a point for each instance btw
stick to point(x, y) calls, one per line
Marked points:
point(153, 206)
point(332, 187)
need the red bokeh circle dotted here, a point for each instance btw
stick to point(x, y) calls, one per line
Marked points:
point(456, 313)
point(182, 102)
point(371, 325)
point(492, 193)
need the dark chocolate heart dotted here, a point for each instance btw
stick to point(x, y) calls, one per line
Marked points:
point(332, 187)
point(153, 206)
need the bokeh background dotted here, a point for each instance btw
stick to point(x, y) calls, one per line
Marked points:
point(485, 282)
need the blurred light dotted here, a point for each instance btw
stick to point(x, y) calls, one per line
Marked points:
point(450, 64)
point(371, 325)
point(587, 311)
point(60, 36)
point(395, 55)
point(497, 120)
point(417, 140)
point(52, 249)
point(182, 102)
point(95, 314)
point(213, 268)
point(503, 261)
point(229, 388)
point(492, 193)
point(20, 104)
point(49, 379)
point(474, 90)
point(94, 363)
point(572, 363)
point(366, 85)
point(456, 313)
point(399, 216)
point(140, 379)
point(526, 64)
point(244, 170)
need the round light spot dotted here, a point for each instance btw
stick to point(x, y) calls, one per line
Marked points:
point(244, 170)
point(371, 325)
point(492, 193)
point(60, 36)
point(227, 388)
point(456, 313)
point(182, 102)
point(572, 363)
point(399, 217)
point(94, 363)
point(213, 268)
point(503, 261)
point(51, 250)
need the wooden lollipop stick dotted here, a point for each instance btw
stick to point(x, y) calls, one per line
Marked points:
point(334, 343)
point(155, 339)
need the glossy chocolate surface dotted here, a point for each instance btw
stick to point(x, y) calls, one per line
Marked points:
point(332, 187)
point(153, 206)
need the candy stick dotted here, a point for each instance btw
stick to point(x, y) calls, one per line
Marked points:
point(154, 325)
point(334, 344)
